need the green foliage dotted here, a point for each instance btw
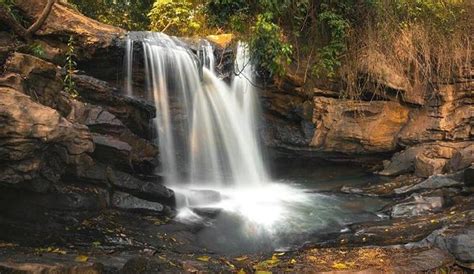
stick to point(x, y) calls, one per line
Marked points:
point(70, 67)
point(175, 17)
point(36, 49)
point(226, 12)
point(267, 47)
point(436, 14)
point(7, 4)
point(329, 55)
point(130, 15)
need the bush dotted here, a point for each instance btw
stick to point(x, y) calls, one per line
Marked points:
point(130, 15)
point(177, 17)
point(267, 47)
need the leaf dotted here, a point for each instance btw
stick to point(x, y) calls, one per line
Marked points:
point(96, 244)
point(241, 271)
point(340, 266)
point(242, 258)
point(262, 272)
point(81, 259)
point(204, 258)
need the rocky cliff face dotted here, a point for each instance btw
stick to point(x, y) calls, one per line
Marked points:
point(61, 152)
point(430, 135)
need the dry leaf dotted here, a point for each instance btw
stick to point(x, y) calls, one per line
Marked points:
point(81, 259)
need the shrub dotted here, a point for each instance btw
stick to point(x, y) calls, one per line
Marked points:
point(174, 17)
point(267, 47)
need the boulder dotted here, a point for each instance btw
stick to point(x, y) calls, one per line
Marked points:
point(459, 241)
point(416, 205)
point(430, 159)
point(153, 191)
point(128, 202)
point(385, 188)
point(357, 127)
point(433, 182)
point(401, 162)
point(30, 133)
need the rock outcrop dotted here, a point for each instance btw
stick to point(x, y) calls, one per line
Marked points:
point(427, 132)
point(37, 142)
point(68, 153)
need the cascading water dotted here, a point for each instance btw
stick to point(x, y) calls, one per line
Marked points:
point(206, 129)
point(210, 153)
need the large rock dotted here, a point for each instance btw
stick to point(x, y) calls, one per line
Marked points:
point(89, 34)
point(446, 118)
point(36, 142)
point(115, 143)
point(458, 241)
point(128, 202)
point(430, 159)
point(37, 78)
point(134, 114)
point(433, 182)
point(153, 191)
point(357, 127)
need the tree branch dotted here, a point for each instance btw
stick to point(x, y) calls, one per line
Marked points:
point(7, 18)
point(44, 15)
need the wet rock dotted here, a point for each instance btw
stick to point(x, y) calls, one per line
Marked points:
point(386, 188)
point(133, 113)
point(128, 202)
point(417, 205)
point(153, 191)
point(433, 182)
point(113, 137)
point(202, 197)
point(112, 151)
point(357, 127)
point(31, 132)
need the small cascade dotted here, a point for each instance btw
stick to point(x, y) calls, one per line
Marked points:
point(206, 129)
point(206, 55)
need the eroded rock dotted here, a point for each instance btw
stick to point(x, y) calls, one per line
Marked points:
point(357, 127)
point(31, 133)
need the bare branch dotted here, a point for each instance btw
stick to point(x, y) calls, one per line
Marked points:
point(7, 18)
point(44, 15)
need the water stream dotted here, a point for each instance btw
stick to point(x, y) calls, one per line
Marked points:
point(207, 132)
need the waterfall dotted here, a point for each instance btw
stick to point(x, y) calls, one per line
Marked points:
point(206, 129)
